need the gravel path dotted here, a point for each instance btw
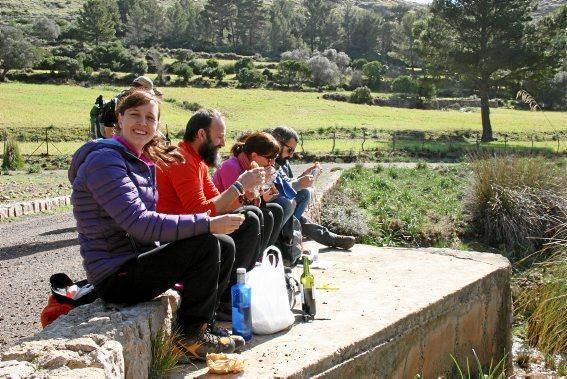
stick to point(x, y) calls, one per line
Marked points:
point(33, 248)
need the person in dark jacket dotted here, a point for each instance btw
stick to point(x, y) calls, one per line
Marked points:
point(131, 253)
point(287, 138)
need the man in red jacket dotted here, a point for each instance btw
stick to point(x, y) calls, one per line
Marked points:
point(188, 188)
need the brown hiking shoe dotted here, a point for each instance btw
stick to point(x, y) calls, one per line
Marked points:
point(197, 347)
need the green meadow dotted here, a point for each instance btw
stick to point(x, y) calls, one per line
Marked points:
point(38, 106)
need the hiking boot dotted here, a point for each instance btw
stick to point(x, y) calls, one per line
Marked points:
point(224, 312)
point(342, 242)
point(196, 347)
point(219, 331)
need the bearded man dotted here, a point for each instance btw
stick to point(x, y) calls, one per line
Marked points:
point(188, 188)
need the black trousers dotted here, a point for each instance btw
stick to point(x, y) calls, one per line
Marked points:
point(202, 264)
point(247, 241)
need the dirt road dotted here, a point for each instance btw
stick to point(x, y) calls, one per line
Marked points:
point(30, 251)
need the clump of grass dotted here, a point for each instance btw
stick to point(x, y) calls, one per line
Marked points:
point(497, 371)
point(164, 357)
point(544, 304)
point(12, 159)
point(34, 168)
point(516, 202)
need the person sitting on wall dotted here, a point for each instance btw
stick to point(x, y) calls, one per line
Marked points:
point(303, 184)
point(188, 188)
point(262, 149)
point(132, 253)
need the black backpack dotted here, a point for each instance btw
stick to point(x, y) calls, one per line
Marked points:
point(85, 293)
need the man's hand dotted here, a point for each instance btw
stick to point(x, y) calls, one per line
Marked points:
point(252, 178)
point(306, 181)
point(310, 169)
point(225, 224)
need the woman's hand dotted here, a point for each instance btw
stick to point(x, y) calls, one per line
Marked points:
point(252, 178)
point(225, 224)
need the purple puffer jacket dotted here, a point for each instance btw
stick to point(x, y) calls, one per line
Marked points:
point(114, 201)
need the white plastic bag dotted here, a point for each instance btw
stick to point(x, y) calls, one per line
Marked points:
point(270, 304)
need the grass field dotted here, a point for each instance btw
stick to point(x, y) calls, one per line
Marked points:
point(38, 106)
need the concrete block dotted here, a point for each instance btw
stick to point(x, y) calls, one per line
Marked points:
point(3, 212)
point(27, 208)
point(392, 313)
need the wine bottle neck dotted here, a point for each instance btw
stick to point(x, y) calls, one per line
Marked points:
point(305, 265)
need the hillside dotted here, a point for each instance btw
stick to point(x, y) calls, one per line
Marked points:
point(25, 11)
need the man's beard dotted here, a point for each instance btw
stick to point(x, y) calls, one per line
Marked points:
point(210, 153)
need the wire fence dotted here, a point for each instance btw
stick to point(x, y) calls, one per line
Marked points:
point(52, 141)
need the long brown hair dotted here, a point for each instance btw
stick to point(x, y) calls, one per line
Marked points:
point(157, 149)
point(260, 143)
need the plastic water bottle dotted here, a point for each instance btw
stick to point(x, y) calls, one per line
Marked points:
point(241, 311)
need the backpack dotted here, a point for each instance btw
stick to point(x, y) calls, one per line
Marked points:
point(65, 295)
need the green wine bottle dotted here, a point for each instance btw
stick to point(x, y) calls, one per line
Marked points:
point(307, 290)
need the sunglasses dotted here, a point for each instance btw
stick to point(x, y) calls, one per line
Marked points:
point(290, 149)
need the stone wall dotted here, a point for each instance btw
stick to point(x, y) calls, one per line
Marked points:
point(97, 340)
point(31, 207)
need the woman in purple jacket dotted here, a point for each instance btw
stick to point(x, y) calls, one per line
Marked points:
point(114, 202)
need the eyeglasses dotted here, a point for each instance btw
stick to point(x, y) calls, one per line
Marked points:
point(270, 157)
point(290, 149)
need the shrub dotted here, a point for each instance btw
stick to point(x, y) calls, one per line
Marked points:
point(515, 202)
point(426, 90)
point(250, 78)
point(341, 214)
point(373, 72)
point(243, 63)
point(183, 70)
point(361, 95)
point(66, 66)
point(213, 63)
point(12, 159)
point(34, 168)
point(405, 84)
point(323, 71)
point(359, 63)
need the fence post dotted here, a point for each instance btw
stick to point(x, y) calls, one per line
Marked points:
point(477, 142)
point(301, 141)
point(557, 143)
point(394, 141)
point(5, 134)
point(47, 140)
point(532, 148)
point(334, 137)
point(505, 142)
point(363, 139)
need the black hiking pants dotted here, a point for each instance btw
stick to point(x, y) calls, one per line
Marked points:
point(202, 264)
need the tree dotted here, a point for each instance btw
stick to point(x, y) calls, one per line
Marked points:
point(285, 23)
point(181, 24)
point(316, 14)
point(484, 42)
point(364, 35)
point(292, 72)
point(250, 20)
point(373, 72)
point(46, 29)
point(145, 23)
point(405, 84)
point(98, 20)
point(220, 16)
point(323, 71)
point(15, 51)
point(404, 38)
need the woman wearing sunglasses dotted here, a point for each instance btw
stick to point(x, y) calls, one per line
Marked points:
point(256, 148)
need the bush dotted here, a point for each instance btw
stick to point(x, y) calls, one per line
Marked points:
point(359, 63)
point(250, 78)
point(405, 84)
point(515, 202)
point(373, 72)
point(12, 159)
point(68, 67)
point(244, 63)
point(361, 95)
point(34, 168)
point(341, 214)
point(183, 70)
